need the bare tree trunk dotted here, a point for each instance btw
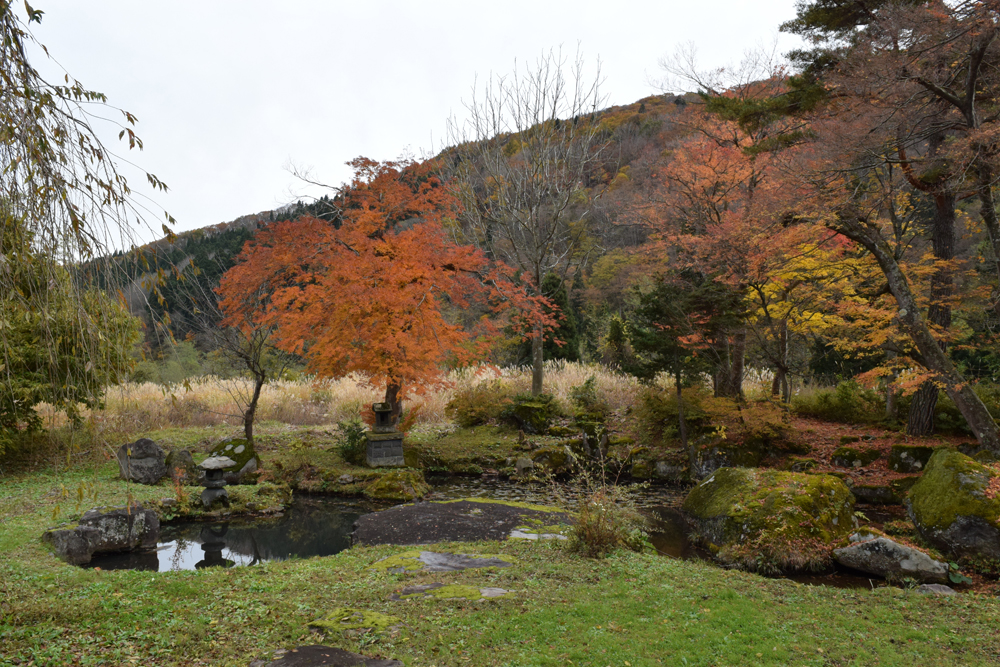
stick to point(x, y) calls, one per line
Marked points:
point(392, 390)
point(250, 413)
point(779, 385)
point(681, 423)
point(729, 381)
point(537, 360)
point(921, 418)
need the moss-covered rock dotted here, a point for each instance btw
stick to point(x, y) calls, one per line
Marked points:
point(532, 414)
point(852, 457)
point(769, 521)
point(247, 461)
point(642, 469)
point(346, 618)
point(876, 494)
point(909, 458)
point(952, 508)
point(398, 485)
point(798, 464)
point(562, 431)
point(556, 460)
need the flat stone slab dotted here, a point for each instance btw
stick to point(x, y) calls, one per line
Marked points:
point(217, 463)
point(324, 656)
point(451, 521)
point(436, 561)
point(439, 591)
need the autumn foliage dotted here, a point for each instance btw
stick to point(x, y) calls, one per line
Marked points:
point(386, 292)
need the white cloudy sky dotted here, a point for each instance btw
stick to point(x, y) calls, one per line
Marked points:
point(229, 93)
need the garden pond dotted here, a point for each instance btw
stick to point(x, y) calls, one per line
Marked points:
point(320, 525)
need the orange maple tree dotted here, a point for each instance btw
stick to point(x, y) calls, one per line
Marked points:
point(385, 292)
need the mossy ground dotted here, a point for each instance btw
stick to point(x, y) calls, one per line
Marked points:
point(639, 608)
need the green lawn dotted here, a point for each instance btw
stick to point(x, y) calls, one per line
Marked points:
point(630, 609)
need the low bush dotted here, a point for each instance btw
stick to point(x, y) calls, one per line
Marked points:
point(480, 403)
point(587, 404)
point(607, 520)
point(352, 443)
point(848, 403)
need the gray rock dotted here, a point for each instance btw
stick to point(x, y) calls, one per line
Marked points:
point(124, 529)
point(142, 461)
point(671, 472)
point(181, 467)
point(936, 589)
point(891, 560)
point(436, 561)
point(952, 509)
point(324, 656)
point(524, 465)
point(346, 479)
point(909, 458)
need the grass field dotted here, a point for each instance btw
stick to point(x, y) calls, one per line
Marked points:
point(629, 609)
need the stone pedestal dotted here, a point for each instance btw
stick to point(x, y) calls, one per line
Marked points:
point(385, 449)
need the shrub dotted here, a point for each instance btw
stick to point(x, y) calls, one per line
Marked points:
point(849, 403)
point(480, 403)
point(529, 412)
point(607, 520)
point(352, 445)
point(657, 415)
point(588, 405)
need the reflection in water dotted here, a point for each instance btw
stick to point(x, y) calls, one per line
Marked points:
point(313, 526)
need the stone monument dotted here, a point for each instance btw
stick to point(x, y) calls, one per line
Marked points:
point(385, 443)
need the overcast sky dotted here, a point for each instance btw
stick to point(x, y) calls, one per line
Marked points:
point(229, 93)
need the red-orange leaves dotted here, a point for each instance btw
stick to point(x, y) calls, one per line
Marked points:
point(384, 292)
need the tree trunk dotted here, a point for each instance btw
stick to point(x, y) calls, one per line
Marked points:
point(392, 390)
point(537, 360)
point(250, 413)
point(681, 423)
point(969, 404)
point(891, 394)
point(921, 418)
point(988, 212)
point(779, 385)
point(729, 377)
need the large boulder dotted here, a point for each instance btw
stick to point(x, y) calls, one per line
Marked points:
point(122, 529)
point(181, 467)
point(888, 559)
point(718, 454)
point(909, 458)
point(770, 521)
point(142, 461)
point(244, 471)
point(955, 506)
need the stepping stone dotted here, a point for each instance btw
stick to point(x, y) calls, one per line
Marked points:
point(433, 561)
point(323, 656)
point(439, 591)
point(346, 618)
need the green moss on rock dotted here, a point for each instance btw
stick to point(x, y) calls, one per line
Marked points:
point(852, 457)
point(951, 509)
point(767, 520)
point(398, 485)
point(642, 469)
point(247, 461)
point(346, 618)
point(557, 460)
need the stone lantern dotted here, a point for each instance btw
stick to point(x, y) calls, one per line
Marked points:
point(215, 482)
point(385, 443)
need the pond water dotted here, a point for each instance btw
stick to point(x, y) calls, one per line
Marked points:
point(321, 526)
